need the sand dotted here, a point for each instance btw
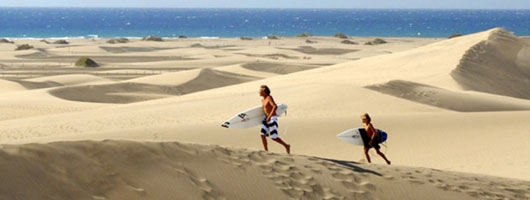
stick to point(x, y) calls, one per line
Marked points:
point(147, 170)
point(456, 110)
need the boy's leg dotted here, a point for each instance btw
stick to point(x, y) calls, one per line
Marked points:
point(384, 157)
point(366, 154)
point(264, 141)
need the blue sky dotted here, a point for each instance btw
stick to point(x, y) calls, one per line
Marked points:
point(441, 4)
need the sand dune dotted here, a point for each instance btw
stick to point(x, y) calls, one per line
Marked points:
point(37, 102)
point(10, 86)
point(133, 170)
point(126, 49)
point(276, 67)
point(457, 101)
point(495, 66)
point(73, 79)
point(321, 51)
point(173, 78)
point(151, 87)
point(238, 69)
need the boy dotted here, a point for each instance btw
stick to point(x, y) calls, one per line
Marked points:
point(371, 138)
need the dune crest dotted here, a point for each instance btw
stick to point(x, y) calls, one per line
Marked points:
point(148, 170)
point(149, 88)
point(492, 66)
point(442, 98)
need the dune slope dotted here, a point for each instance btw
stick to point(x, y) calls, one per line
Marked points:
point(133, 170)
point(148, 88)
point(494, 66)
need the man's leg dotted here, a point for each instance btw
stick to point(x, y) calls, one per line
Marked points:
point(384, 157)
point(264, 141)
point(367, 155)
point(273, 130)
point(287, 146)
point(264, 134)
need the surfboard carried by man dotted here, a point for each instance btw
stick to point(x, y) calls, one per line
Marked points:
point(270, 123)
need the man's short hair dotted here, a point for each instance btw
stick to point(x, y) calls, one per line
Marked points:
point(266, 89)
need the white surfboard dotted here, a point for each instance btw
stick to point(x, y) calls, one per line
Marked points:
point(251, 117)
point(353, 136)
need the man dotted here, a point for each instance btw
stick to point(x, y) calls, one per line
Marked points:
point(270, 123)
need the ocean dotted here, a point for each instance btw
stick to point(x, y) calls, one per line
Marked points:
point(140, 22)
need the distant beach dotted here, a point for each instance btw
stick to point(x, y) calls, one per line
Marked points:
point(136, 22)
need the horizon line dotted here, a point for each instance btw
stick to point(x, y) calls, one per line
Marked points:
point(265, 8)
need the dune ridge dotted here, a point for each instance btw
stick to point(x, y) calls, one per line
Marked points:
point(164, 170)
point(451, 100)
point(491, 66)
point(149, 88)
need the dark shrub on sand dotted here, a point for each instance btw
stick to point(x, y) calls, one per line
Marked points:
point(183, 36)
point(23, 47)
point(348, 42)
point(86, 62)
point(306, 34)
point(45, 41)
point(245, 38)
point(454, 35)
point(118, 40)
point(61, 42)
point(3, 40)
point(153, 38)
point(341, 35)
point(272, 37)
point(196, 45)
point(310, 41)
point(376, 41)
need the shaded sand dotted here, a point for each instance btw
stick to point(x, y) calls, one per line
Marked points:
point(140, 170)
point(126, 49)
point(277, 68)
point(496, 65)
point(321, 51)
point(457, 101)
point(151, 87)
point(37, 57)
point(73, 79)
point(239, 69)
point(173, 78)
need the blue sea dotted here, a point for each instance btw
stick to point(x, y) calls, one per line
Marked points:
point(139, 22)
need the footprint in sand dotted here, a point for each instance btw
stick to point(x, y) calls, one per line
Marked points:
point(208, 189)
point(368, 185)
point(293, 182)
point(98, 198)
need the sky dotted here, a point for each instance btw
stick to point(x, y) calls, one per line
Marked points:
point(390, 4)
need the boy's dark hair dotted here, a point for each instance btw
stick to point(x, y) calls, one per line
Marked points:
point(266, 89)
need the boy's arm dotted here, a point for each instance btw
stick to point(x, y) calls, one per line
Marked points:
point(373, 135)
